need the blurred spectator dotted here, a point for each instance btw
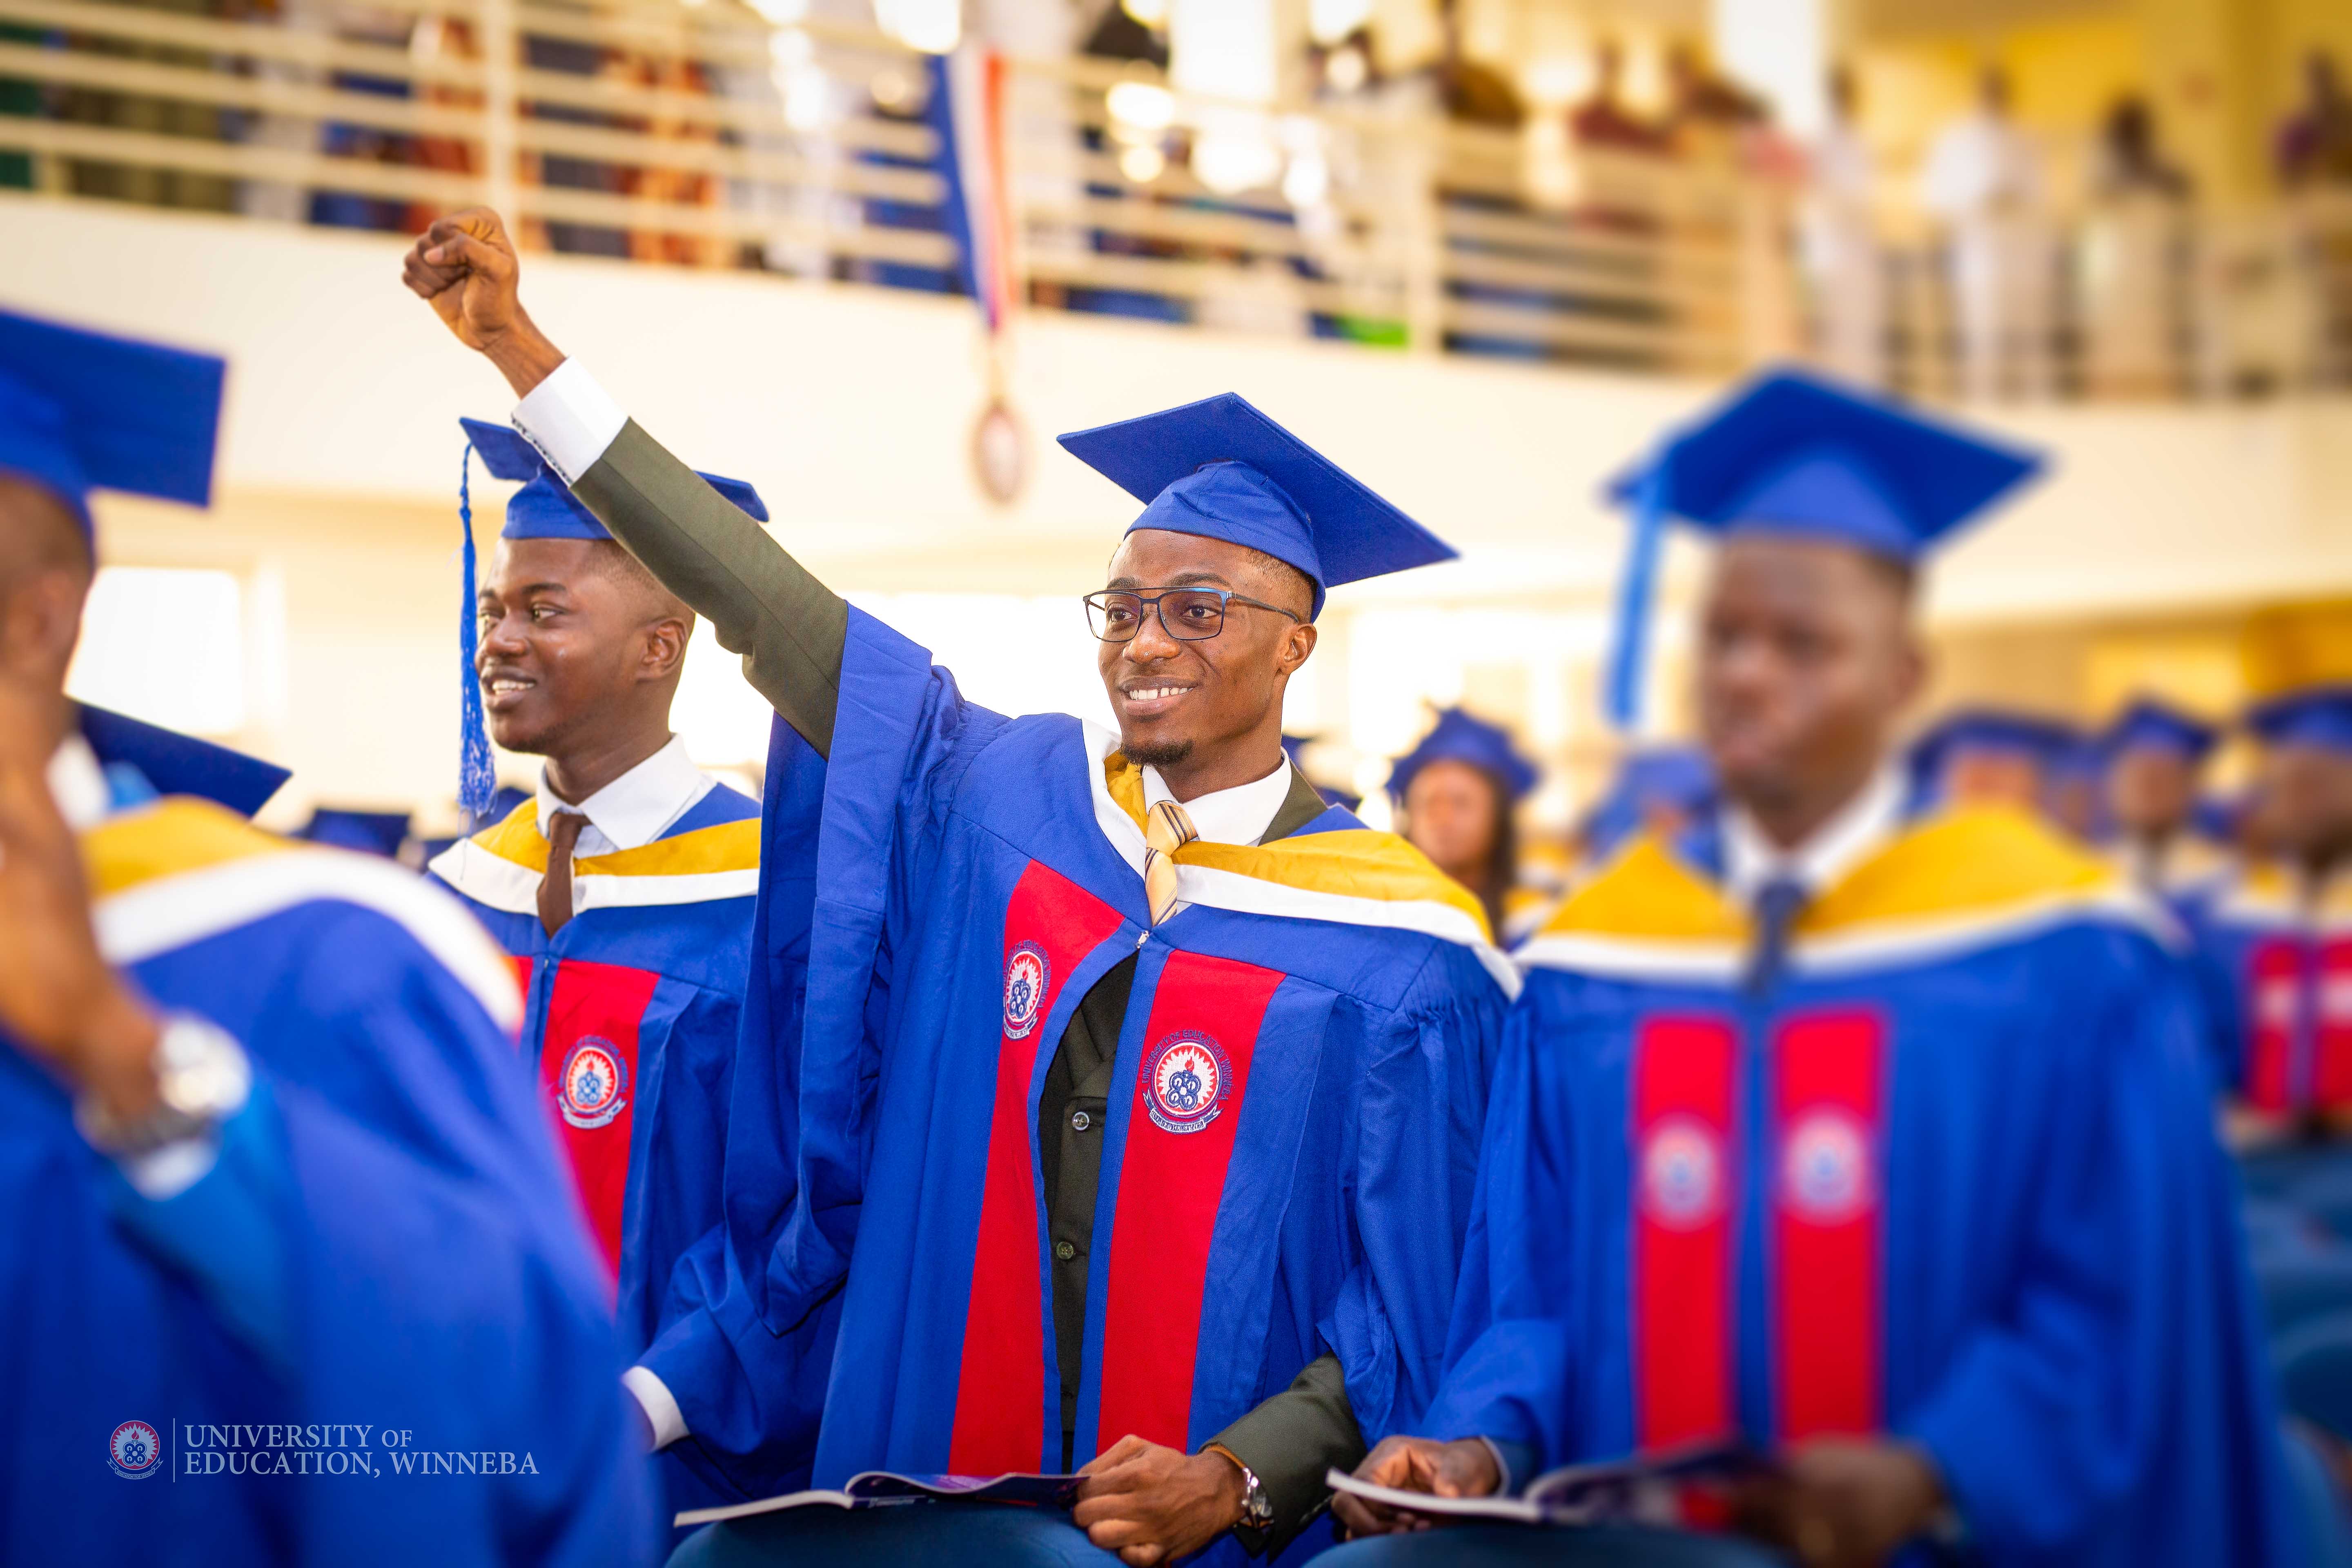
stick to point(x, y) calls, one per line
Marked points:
point(1473, 93)
point(1706, 111)
point(2315, 145)
point(1601, 121)
point(2128, 162)
point(1844, 267)
point(1984, 179)
point(2136, 261)
point(1117, 35)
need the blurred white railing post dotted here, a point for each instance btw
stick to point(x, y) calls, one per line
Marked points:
point(1421, 235)
point(501, 75)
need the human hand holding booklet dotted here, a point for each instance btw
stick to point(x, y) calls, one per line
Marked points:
point(1644, 1488)
point(881, 1488)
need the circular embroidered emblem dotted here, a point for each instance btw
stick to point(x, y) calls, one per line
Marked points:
point(1682, 1174)
point(1026, 974)
point(1185, 1081)
point(134, 1452)
point(1825, 1167)
point(590, 1090)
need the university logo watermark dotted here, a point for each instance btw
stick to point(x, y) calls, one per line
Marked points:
point(197, 1449)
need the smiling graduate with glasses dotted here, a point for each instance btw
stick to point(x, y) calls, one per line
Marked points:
point(1155, 1161)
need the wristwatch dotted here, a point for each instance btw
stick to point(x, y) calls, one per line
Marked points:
point(1258, 1508)
point(202, 1078)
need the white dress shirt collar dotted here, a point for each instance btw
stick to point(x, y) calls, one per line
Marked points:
point(635, 808)
point(78, 783)
point(1237, 815)
point(1862, 824)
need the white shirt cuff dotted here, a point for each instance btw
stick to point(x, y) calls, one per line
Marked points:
point(661, 1410)
point(570, 419)
point(165, 1173)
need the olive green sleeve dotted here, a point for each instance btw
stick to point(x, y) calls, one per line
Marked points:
point(1288, 1442)
point(763, 604)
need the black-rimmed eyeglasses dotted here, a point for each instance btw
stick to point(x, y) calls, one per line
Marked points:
point(1188, 615)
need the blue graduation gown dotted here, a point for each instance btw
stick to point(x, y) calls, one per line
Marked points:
point(1294, 1114)
point(631, 1014)
point(1952, 1178)
point(434, 1280)
point(2277, 974)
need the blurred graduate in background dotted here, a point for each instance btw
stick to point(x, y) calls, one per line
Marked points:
point(1876, 1139)
point(1457, 794)
point(266, 1152)
point(2276, 936)
point(2155, 754)
point(1988, 756)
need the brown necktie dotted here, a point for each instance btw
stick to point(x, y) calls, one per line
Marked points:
point(555, 886)
point(1166, 829)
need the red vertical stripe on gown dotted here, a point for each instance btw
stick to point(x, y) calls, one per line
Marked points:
point(1682, 1100)
point(2331, 1071)
point(1189, 1088)
point(1828, 1097)
point(588, 1065)
point(2274, 1004)
point(1050, 926)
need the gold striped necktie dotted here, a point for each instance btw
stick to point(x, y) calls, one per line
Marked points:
point(1166, 829)
point(555, 884)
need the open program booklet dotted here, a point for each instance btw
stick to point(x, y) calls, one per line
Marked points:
point(880, 1489)
point(1641, 1490)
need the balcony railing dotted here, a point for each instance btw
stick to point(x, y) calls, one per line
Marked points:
point(705, 134)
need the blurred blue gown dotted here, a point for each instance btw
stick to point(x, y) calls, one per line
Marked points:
point(387, 1240)
point(975, 876)
point(1950, 1178)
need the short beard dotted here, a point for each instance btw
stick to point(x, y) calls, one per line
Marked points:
point(1166, 754)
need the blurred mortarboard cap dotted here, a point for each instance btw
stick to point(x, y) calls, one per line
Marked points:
point(1221, 469)
point(2215, 817)
point(182, 764)
point(2045, 741)
point(369, 832)
point(2151, 723)
point(545, 507)
point(1460, 737)
point(83, 411)
point(1795, 454)
point(1679, 779)
point(2314, 716)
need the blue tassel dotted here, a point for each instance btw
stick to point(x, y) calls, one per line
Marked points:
point(478, 775)
point(1635, 591)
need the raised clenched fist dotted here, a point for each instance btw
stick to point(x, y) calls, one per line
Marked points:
point(464, 268)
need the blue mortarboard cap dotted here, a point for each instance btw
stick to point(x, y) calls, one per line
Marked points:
point(182, 764)
point(1792, 453)
point(369, 832)
point(1459, 737)
point(2046, 741)
point(2215, 817)
point(1221, 469)
point(2314, 716)
point(544, 507)
point(83, 411)
point(1676, 778)
point(2149, 722)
